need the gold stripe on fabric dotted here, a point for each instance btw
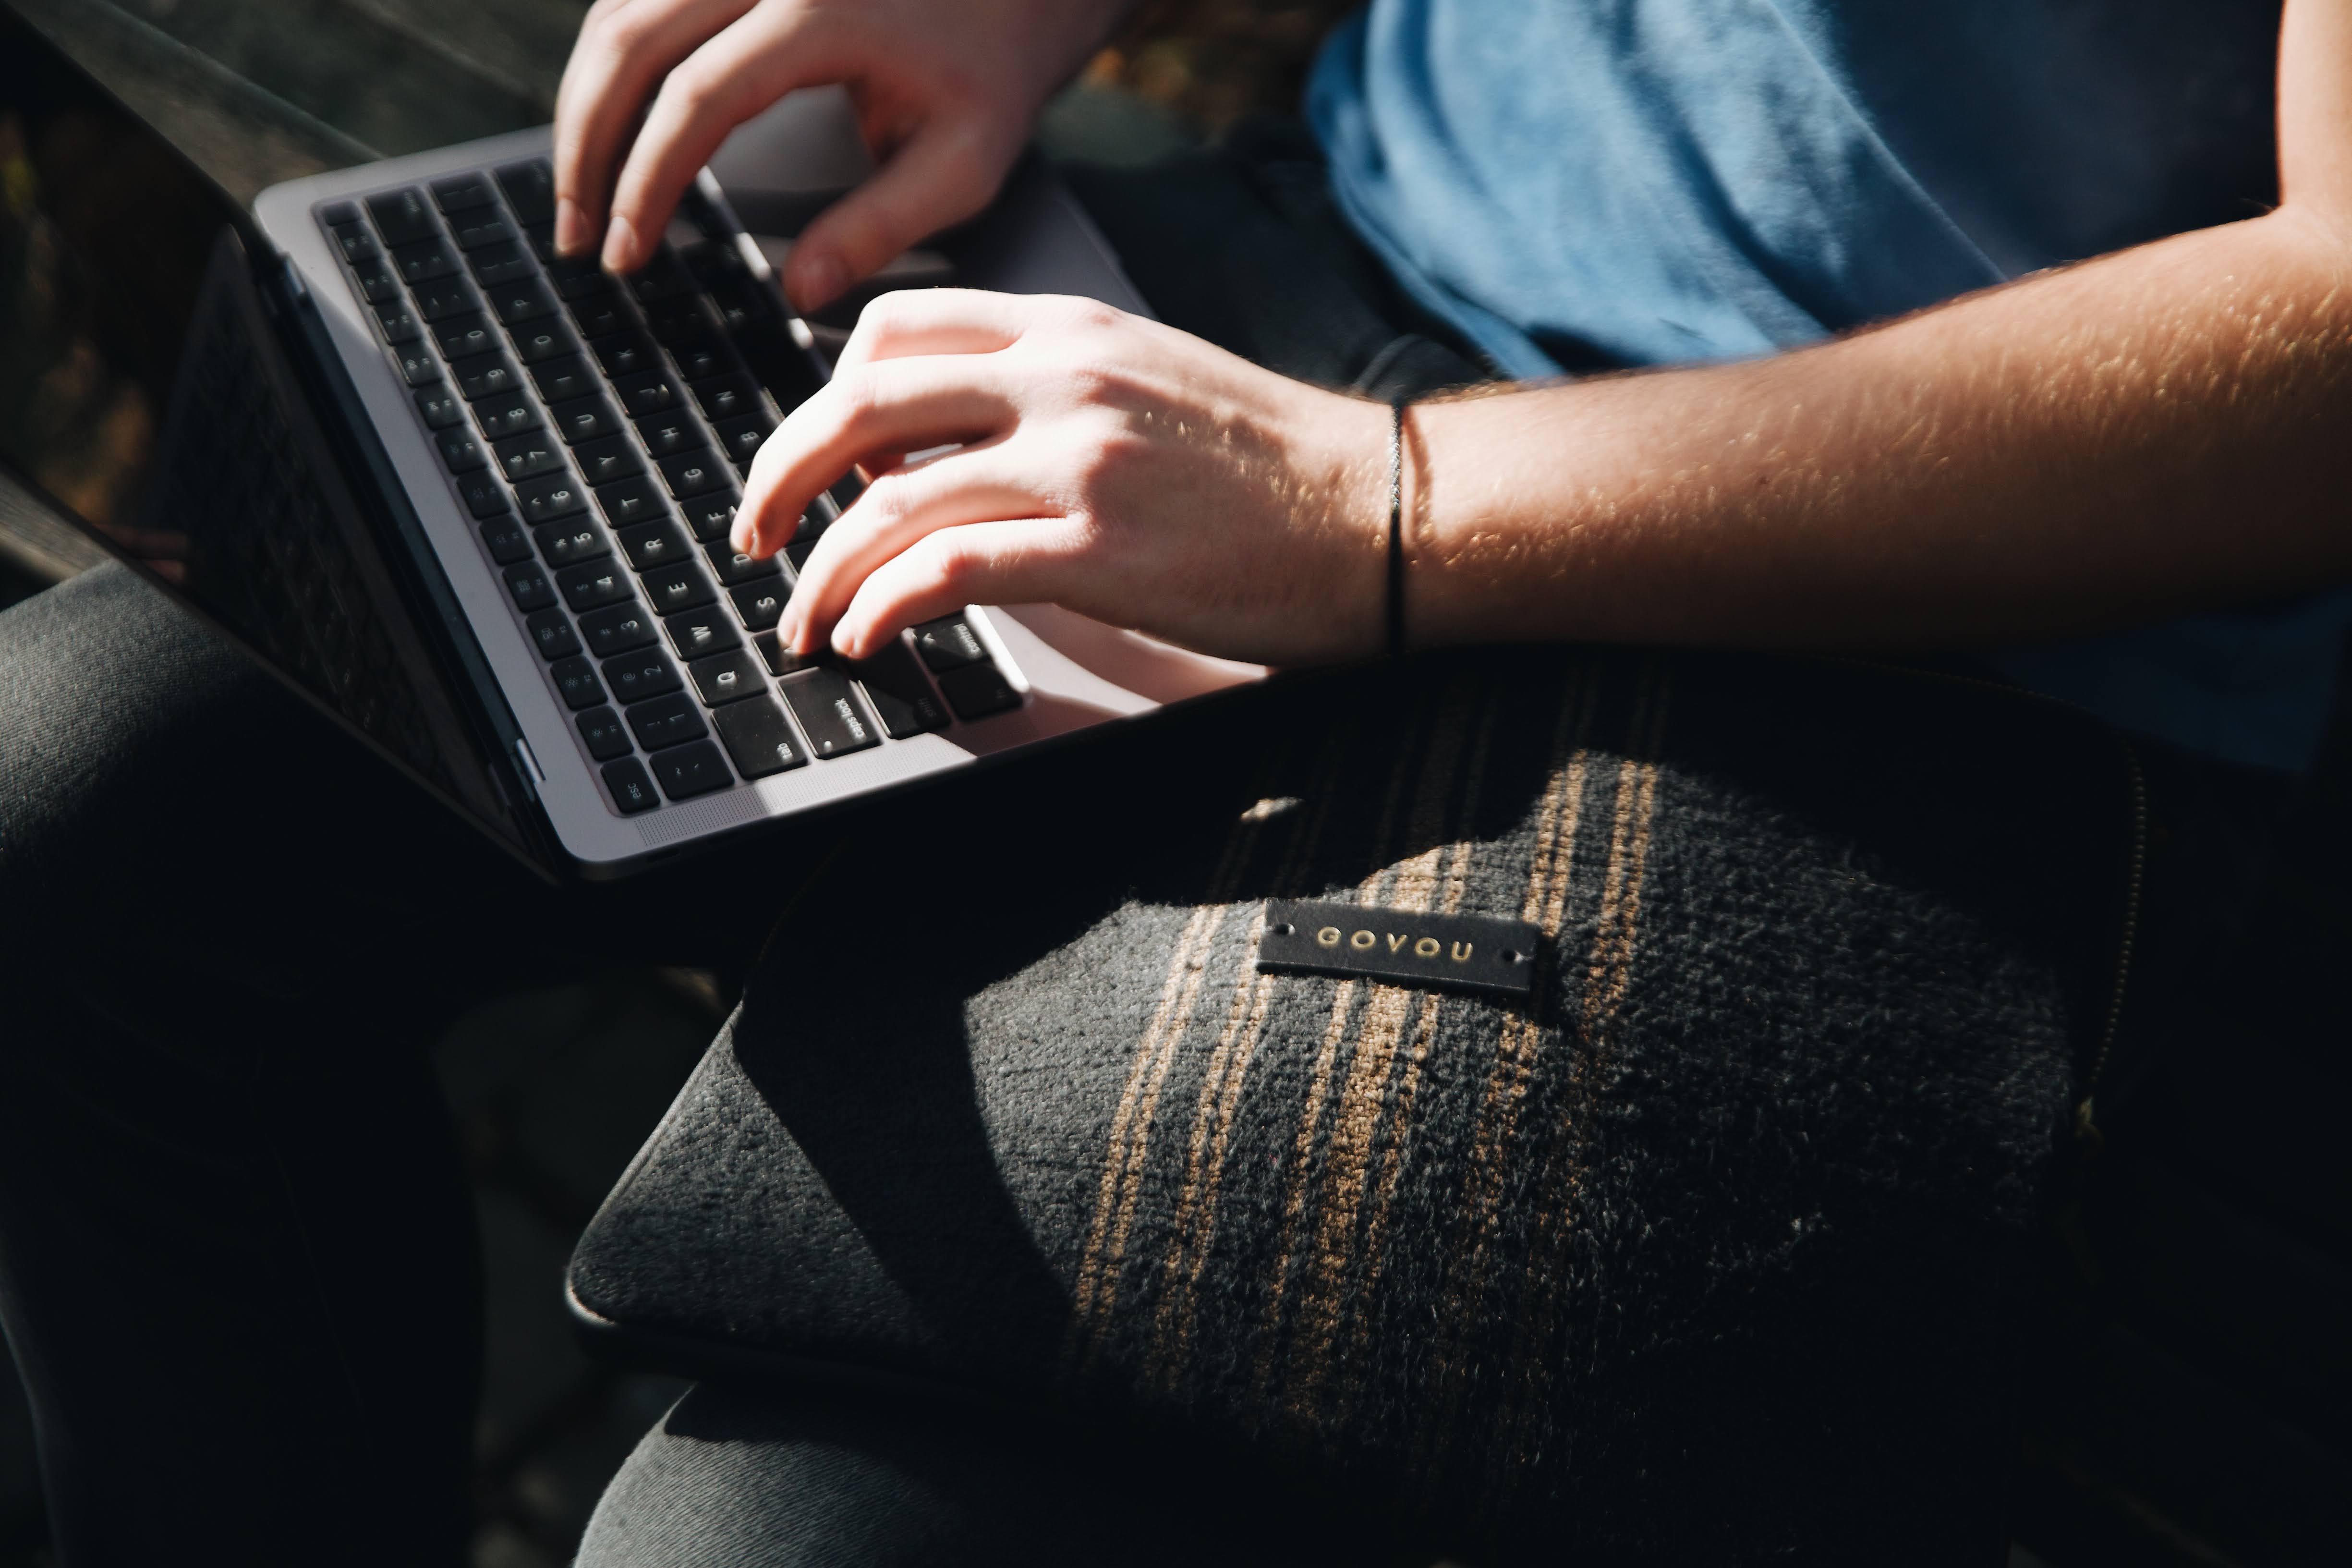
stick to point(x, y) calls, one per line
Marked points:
point(1118, 1157)
point(1615, 941)
point(1302, 1153)
point(1300, 1179)
point(1369, 1096)
point(1550, 865)
point(1195, 1224)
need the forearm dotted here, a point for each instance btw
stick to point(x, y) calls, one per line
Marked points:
point(2157, 432)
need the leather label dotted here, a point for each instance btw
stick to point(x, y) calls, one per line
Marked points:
point(1450, 953)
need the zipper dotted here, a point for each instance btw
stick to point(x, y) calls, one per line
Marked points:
point(2087, 1135)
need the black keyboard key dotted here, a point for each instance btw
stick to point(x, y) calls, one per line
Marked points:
point(440, 406)
point(335, 213)
point(779, 660)
point(483, 226)
point(710, 516)
point(949, 644)
point(665, 433)
point(698, 633)
point(460, 453)
point(701, 362)
point(354, 241)
point(608, 460)
point(557, 495)
point(646, 393)
point(530, 189)
point(529, 455)
point(531, 587)
point(594, 585)
point(402, 216)
point(727, 677)
point(761, 605)
point(729, 397)
point(617, 630)
point(524, 302)
point(830, 712)
point(571, 542)
point(758, 738)
point(576, 683)
point(692, 473)
point(564, 379)
point(585, 419)
point(742, 305)
point(811, 525)
point(377, 280)
point(508, 413)
point(635, 677)
point(542, 239)
point(485, 376)
point(678, 320)
point(507, 540)
point(578, 278)
point(484, 494)
point(606, 736)
point(797, 552)
point(666, 722)
point(741, 438)
point(398, 323)
point(445, 297)
point(601, 315)
point(632, 790)
point(977, 691)
point(663, 277)
point(680, 587)
point(902, 699)
point(632, 501)
point(544, 339)
point(460, 192)
point(626, 353)
point(733, 566)
point(463, 337)
point(423, 261)
point(689, 771)
point(496, 264)
point(552, 634)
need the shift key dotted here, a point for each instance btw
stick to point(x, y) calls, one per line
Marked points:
point(832, 717)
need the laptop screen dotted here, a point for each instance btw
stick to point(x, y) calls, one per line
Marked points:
point(146, 392)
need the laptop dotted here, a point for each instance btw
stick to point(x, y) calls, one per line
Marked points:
point(472, 501)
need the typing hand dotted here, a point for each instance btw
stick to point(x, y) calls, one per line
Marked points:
point(1108, 464)
point(945, 92)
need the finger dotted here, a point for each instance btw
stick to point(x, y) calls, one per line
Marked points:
point(913, 322)
point(974, 485)
point(948, 171)
point(624, 46)
point(744, 69)
point(1014, 561)
point(902, 407)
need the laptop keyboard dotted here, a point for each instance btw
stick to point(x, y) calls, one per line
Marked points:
point(597, 430)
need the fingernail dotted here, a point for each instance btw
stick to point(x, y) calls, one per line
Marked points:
point(740, 537)
point(619, 245)
point(817, 281)
point(572, 235)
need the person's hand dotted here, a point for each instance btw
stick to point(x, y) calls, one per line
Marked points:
point(1107, 464)
point(945, 92)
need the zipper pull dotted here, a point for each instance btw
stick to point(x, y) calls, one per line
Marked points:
point(2086, 1131)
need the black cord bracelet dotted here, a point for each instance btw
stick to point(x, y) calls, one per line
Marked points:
point(1396, 528)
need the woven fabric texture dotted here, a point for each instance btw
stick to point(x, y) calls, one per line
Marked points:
point(1709, 1248)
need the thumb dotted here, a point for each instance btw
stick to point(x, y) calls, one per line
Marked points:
point(942, 175)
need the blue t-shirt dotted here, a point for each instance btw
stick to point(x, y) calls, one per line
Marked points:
point(1583, 183)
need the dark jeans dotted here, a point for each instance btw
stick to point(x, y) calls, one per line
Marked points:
point(236, 1263)
point(235, 1258)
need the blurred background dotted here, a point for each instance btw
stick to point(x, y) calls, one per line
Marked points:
point(2191, 1406)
